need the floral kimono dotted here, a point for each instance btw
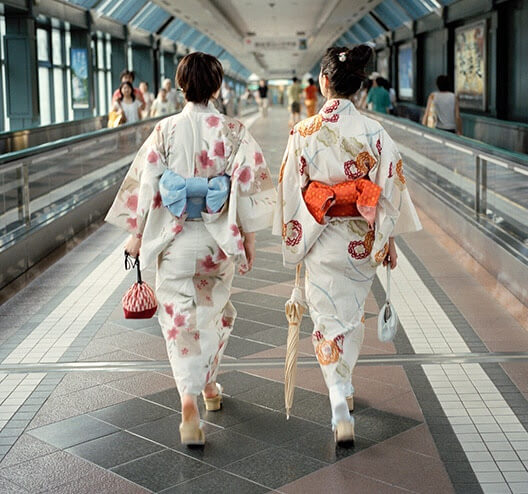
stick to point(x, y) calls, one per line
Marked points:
point(196, 258)
point(341, 253)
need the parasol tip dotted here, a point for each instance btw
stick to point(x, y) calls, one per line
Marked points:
point(287, 414)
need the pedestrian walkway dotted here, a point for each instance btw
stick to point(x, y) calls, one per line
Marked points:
point(421, 427)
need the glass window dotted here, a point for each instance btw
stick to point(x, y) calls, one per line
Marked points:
point(100, 54)
point(5, 125)
point(44, 96)
point(43, 45)
point(56, 44)
point(102, 93)
point(58, 91)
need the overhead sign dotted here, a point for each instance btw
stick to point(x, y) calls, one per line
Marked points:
point(276, 43)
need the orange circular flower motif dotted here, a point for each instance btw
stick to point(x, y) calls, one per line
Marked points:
point(365, 161)
point(399, 171)
point(281, 171)
point(327, 352)
point(310, 125)
point(369, 241)
point(382, 254)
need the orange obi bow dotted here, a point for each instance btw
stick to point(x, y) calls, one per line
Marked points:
point(351, 198)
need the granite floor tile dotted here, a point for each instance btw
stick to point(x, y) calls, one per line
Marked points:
point(245, 328)
point(236, 382)
point(169, 398)
point(26, 448)
point(47, 471)
point(274, 467)
point(114, 449)
point(7, 487)
point(217, 482)
point(73, 431)
point(162, 470)
point(238, 347)
point(131, 413)
point(271, 395)
point(378, 425)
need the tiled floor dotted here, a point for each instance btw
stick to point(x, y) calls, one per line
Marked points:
point(420, 428)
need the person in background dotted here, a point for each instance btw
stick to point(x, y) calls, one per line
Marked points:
point(310, 98)
point(341, 153)
point(392, 94)
point(228, 99)
point(196, 244)
point(127, 103)
point(442, 105)
point(294, 101)
point(379, 96)
point(148, 98)
point(360, 98)
point(262, 98)
point(160, 107)
point(128, 76)
point(172, 96)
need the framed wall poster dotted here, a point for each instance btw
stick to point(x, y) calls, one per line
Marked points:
point(405, 72)
point(79, 78)
point(470, 65)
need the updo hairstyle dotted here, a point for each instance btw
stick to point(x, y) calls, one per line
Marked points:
point(199, 75)
point(345, 68)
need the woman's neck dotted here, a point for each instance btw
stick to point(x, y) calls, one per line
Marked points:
point(127, 99)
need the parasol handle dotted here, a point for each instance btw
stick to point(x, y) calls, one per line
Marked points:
point(388, 282)
point(298, 275)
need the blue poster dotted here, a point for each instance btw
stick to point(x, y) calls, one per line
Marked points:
point(79, 77)
point(405, 71)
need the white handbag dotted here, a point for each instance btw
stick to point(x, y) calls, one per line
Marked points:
point(387, 317)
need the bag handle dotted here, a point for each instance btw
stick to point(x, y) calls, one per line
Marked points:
point(135, 264)
point(387, 293)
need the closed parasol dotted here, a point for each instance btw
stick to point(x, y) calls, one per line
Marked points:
point(294, 308)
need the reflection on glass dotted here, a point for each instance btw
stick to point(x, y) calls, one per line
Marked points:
point(42, 45)
point(58, 89)
point(44, 96)
point(56, 46)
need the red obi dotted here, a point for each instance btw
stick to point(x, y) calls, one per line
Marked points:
point(352, 198)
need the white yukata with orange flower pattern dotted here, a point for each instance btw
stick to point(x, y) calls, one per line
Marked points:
point(196, 259)
point(341, 255)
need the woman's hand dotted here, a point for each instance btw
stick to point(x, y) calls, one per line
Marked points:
point(392, 255)
point(249, 247)
point(133, 245)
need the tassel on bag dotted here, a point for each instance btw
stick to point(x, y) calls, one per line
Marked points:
point(387, 317)
point(139, 302)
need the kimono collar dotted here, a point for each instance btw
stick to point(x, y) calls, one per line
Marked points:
point(197, 107)
point(338, 105)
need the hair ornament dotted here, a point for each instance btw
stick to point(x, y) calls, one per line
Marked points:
point(342, 56)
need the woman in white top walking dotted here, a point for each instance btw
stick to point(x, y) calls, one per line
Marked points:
point(127, 103)
point(442, 109)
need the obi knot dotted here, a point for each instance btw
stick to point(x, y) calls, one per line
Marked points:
point(351, 198)
point(193, 195)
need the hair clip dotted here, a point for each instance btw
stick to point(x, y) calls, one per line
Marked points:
point(342, 56)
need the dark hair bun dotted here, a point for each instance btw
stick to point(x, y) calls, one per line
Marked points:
point(345, 68)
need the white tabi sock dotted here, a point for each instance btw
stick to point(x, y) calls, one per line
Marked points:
point(339, 405)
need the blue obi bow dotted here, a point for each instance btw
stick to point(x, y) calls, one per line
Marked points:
point(193, 195)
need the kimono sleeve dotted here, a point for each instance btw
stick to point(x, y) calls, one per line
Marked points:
point(252, 188)
point(293, 221)
point(139, 192)
point(395, 213)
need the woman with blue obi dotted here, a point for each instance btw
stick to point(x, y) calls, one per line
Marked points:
point(194, 197)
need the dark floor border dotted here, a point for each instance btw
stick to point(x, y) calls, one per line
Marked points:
point(451, 453)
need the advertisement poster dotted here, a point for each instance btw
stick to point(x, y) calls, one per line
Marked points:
point(470, 65)
point(405, 72)
point(79, 77)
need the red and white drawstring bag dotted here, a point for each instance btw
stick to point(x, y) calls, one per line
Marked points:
point(139, 302)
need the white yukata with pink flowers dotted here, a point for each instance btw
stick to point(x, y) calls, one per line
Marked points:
point(340, 254)
point(196, 259)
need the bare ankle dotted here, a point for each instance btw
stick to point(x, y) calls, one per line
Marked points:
point(189, 409)
point(210, 390)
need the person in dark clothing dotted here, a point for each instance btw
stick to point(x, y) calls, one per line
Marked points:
point(263, 98)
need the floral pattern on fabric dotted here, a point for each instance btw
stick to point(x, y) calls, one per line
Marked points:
point(310, 126)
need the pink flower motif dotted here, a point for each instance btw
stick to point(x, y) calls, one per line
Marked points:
point(132, 202)
point(333, 119)
point(221, 255)
point(259, 159)
point(240, 244)
point(263, 176)
point(235, 230)
point(169, 309)
point(204, 160)
point(226, 322)
point(180, 319)
point(156, 202)
point(132, 222)
point(172, 333)
point(219, 149)
point(208, 264)
point(196, 336)
point(329, 108)
point(212, 121)
point(203, 284)
point(318, 336)
point(184, 351)
point(231, 125)
point(245, 174)
point(378, 146)
point(152, 157)
point(303, 165)
point(390, 170)
point(177, 229)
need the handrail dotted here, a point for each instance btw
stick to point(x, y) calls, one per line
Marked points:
point(464, 144)
point(50, 146)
